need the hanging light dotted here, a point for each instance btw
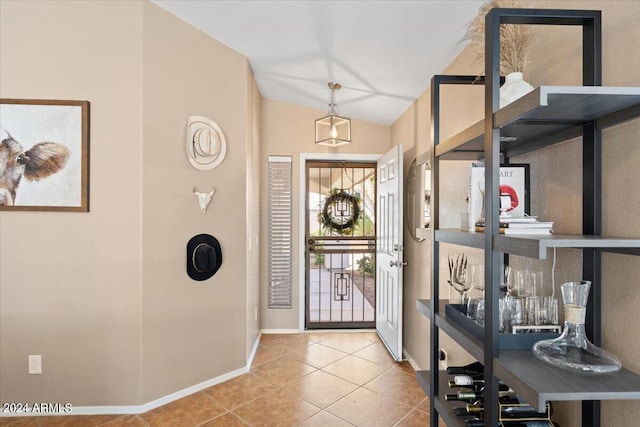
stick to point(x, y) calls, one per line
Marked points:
point(333, 130)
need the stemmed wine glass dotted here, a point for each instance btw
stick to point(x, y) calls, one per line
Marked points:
point(476, 274)
point(459, 276)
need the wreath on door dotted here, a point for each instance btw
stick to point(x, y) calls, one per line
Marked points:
point(340, 212)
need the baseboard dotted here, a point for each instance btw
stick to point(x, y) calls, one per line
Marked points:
point(280, 331)
point(140, 409)
point(253, 351)
point(409, 359)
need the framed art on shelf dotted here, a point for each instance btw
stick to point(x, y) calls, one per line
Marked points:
point(44, 155)
point(514, 192)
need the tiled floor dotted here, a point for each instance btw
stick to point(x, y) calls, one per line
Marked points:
point(314, 379)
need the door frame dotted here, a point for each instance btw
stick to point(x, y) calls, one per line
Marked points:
point(302, 162)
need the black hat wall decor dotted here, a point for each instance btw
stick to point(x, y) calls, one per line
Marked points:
point(204, 257)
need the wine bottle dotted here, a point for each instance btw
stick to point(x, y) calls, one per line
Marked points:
point(474, 422)
point(507, 396)
point(521, 412)
point(472, 369)
point(508, 412)
point(542, 423)
point(461, 411)
point(474, 384)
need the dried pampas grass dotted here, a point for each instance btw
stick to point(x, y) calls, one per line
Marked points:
point(514, 39)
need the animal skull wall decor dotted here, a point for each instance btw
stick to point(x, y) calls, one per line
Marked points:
point(203, 198)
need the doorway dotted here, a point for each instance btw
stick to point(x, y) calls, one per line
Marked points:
point(340, 236)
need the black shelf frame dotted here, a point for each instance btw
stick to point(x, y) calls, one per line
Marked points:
point(482, 141)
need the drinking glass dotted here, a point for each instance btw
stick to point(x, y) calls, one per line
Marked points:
point(508, 284)
point(476, 273)
point(480, 313)
point(550, 305)
point(536, 314)
point(472, 307)
point(529, 283)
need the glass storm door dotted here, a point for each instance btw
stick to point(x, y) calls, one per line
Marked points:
point(340, 245)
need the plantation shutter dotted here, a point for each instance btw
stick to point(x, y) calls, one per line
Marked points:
point(280, 253)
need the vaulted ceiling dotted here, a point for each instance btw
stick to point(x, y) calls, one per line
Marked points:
point(383, 53)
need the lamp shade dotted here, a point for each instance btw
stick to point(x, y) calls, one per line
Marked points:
point(333, 131)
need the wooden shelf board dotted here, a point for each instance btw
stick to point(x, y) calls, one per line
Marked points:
point(538, 382)
point(424, 381)
point(569, 103)
point(424, 307)
point(546, 116)
point(460, 237)
point(463, 337)
point(444, 408)
point(468, 143)
point(535, 246)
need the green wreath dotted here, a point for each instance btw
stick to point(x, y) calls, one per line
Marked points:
point(345, 224)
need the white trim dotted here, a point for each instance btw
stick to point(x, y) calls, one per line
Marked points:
point(139, 409)
point(409, 359)
point(253, 351)
point(280, 331)
point(302, 210)
point(280, 159)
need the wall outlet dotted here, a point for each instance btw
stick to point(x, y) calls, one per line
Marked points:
point(35, 364)
point(444, 359)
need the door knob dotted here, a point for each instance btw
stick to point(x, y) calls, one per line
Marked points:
point(396, 263)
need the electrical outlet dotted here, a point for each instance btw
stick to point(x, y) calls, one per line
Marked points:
point(444, 359)
point(35, 364)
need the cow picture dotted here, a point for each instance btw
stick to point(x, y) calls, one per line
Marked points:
point(43, 155)
point(40, 161)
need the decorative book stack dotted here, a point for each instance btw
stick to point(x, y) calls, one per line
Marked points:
point(519, 225)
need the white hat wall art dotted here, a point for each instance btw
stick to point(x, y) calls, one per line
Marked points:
point(206, 145)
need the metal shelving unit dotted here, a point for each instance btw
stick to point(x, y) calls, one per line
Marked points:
point(548, 115)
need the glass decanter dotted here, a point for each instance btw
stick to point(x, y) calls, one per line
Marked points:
point(572, 350)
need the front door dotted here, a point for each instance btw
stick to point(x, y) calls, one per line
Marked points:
point(340, 245)
point(389, 249)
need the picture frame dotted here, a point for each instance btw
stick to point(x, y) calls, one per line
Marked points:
point(44, 155)
point(514, 195)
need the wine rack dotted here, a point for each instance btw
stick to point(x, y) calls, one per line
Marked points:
point(549, 115)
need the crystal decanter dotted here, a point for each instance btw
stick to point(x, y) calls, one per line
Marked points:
point(572, 350)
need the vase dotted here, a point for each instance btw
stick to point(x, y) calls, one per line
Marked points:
point(513, 88)
point(572, 350)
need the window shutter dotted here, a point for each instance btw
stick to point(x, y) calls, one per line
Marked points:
point(280, 252)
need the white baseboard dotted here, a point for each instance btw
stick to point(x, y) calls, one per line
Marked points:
point(280, 331)
point(140, 409)
point(409, 359)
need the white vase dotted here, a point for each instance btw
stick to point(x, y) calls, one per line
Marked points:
point(513, 88)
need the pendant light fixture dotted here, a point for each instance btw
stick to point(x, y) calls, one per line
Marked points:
point(333, 130)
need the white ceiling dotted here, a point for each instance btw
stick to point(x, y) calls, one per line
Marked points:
point(383, 53)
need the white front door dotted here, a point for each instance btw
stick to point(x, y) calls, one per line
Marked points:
point(389, 248)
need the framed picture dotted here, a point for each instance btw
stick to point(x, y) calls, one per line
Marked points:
point(44, 155)
point(514, 192)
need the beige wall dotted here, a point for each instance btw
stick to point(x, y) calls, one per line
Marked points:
point(288, 130)
point(70, 282)
point(555, 187)
point(182, 319)
point(103, 296)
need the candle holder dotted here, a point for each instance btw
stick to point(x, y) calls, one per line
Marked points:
point(572, 350)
